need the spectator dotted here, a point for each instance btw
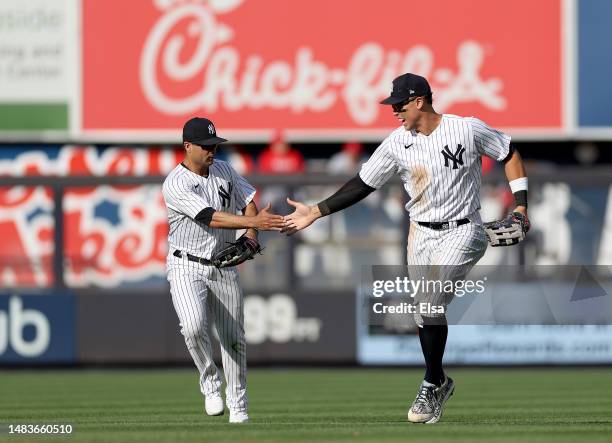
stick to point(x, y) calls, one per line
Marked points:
point(240, 160)
point(280, 158)
point(586, 153)
point(348, 160)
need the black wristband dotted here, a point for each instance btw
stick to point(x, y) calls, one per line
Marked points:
point(520, 198)
point(324, 209)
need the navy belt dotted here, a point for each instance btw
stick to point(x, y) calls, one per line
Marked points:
point(444, 225)
point(202, 261)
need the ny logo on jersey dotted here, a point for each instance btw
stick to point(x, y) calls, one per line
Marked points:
point(456, 158)
point(225, 195)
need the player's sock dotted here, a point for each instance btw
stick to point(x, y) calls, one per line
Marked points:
point(433, 342)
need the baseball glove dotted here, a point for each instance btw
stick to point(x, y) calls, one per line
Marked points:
point(509, 231)
point(237, 252)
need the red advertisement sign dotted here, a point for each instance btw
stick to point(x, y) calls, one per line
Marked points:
point(113, 234)
point(316, 65)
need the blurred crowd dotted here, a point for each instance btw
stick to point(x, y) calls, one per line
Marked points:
point(279, 157)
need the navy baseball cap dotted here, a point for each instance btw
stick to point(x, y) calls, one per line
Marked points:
point(407, 86)
point(201, 131)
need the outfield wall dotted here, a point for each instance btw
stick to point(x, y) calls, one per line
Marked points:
point(105, 328)
point(99, 279)
point(142, 328)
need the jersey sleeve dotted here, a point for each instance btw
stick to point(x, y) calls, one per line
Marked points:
point(180, 196)
point(489, 141)
point(243, 190)
point(380, 167)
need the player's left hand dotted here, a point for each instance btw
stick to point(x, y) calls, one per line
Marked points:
point(524, 220)
point(521, 209)
point(243, 249)
point(508, 231)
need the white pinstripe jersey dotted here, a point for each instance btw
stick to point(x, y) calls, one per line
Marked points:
point(187, 193)
point(442, 171)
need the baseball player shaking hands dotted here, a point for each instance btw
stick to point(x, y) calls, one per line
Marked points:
point(207, 202)
point(438, 157)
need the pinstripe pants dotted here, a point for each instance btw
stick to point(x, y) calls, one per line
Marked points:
point(197, 292)
point(443, 255)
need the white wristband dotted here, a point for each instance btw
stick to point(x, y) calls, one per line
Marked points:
point(519, 184)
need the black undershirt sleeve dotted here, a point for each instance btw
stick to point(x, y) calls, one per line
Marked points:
point(350, 193)
point(205, 216)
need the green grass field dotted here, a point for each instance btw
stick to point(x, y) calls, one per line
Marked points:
point(492, 405)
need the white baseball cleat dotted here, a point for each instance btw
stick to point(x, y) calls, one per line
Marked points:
point(429, 402)
point(238, 417)
point(424, 404)
point(213, 404)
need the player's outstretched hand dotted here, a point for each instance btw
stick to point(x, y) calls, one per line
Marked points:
point(266, 221)
point(301, 218)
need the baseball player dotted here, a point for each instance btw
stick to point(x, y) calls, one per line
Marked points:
point(207, 202)
point(438, 157)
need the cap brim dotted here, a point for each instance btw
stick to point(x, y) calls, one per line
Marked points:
point(209, 141)
point(393, 100)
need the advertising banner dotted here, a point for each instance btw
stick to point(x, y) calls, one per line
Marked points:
point(497, 345)
point(309, 67)
point(37, 328)
point(300, 327)
point(38, 46)
point(258, 66)
point(279, 327)
point(594, 67)
point(512, 315)
point(113, 234)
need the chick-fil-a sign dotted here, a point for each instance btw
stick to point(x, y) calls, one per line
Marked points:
point(317, 64)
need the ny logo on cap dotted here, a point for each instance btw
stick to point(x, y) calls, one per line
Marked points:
point(211, 129)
